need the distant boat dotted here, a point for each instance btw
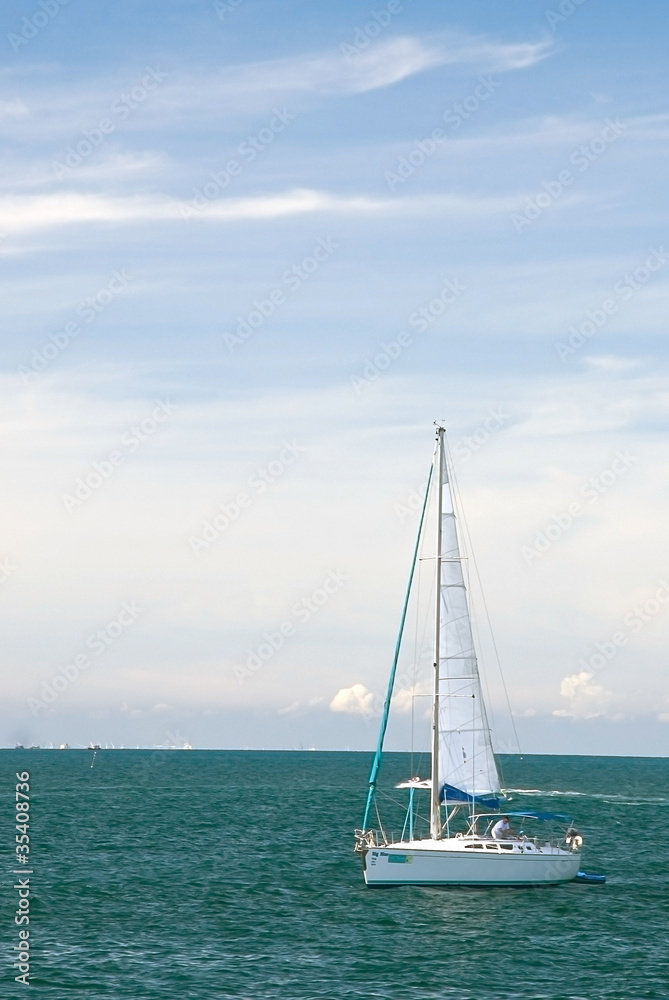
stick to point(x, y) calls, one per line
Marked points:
point(94, 746)
point(64, 746)
point(468, 841)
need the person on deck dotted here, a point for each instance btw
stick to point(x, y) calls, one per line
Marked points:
point(501, 830)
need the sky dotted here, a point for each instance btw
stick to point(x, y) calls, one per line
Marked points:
point(249, 252)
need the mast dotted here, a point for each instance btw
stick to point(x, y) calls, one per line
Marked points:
point(435, 811)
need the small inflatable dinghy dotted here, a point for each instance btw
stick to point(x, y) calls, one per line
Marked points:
point(591, 879)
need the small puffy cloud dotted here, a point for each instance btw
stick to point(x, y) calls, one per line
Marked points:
point(586, 699)
point(612, 363)
point(355, 700)
point(403, 700)
point(290, 709)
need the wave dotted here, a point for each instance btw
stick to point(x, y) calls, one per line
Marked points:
point(620, 798)
point(543, 791)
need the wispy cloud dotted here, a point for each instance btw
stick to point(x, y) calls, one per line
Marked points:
point(386, 63)
point(38, 212)
point(13, 109)
point(612, 364)
point(381, 65)
point(256, 86)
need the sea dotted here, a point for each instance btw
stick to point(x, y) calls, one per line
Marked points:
point(230, 875)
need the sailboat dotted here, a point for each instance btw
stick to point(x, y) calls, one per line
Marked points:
point(468, 840)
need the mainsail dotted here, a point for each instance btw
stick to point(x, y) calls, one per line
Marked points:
point(466, 763)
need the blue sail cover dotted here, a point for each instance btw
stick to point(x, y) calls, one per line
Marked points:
point(450, 795)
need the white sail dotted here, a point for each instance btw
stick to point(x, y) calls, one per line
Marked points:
point(466, 759)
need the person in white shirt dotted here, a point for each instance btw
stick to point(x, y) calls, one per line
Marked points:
point(501, 829)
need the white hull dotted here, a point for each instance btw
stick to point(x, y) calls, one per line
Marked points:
point(457, 861)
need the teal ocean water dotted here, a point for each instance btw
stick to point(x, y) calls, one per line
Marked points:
point(215, 875)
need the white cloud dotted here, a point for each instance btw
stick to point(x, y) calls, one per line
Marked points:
point(383, 64)
point(497, 56)
point(403, 699)
point(289, 709)
point(586, 699)
point(13, 109)
point(26, 213)
point(257, 86)
point(612, 363)
point(130, 539)
point(355, 700)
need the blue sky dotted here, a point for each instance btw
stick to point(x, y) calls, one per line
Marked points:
point(256, 249)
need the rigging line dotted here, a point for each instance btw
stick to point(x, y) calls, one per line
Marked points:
point(398, 643)
point(416, 659)
point(485, 603)
point(466, 540)
point(427, 621)
point(386, 798)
